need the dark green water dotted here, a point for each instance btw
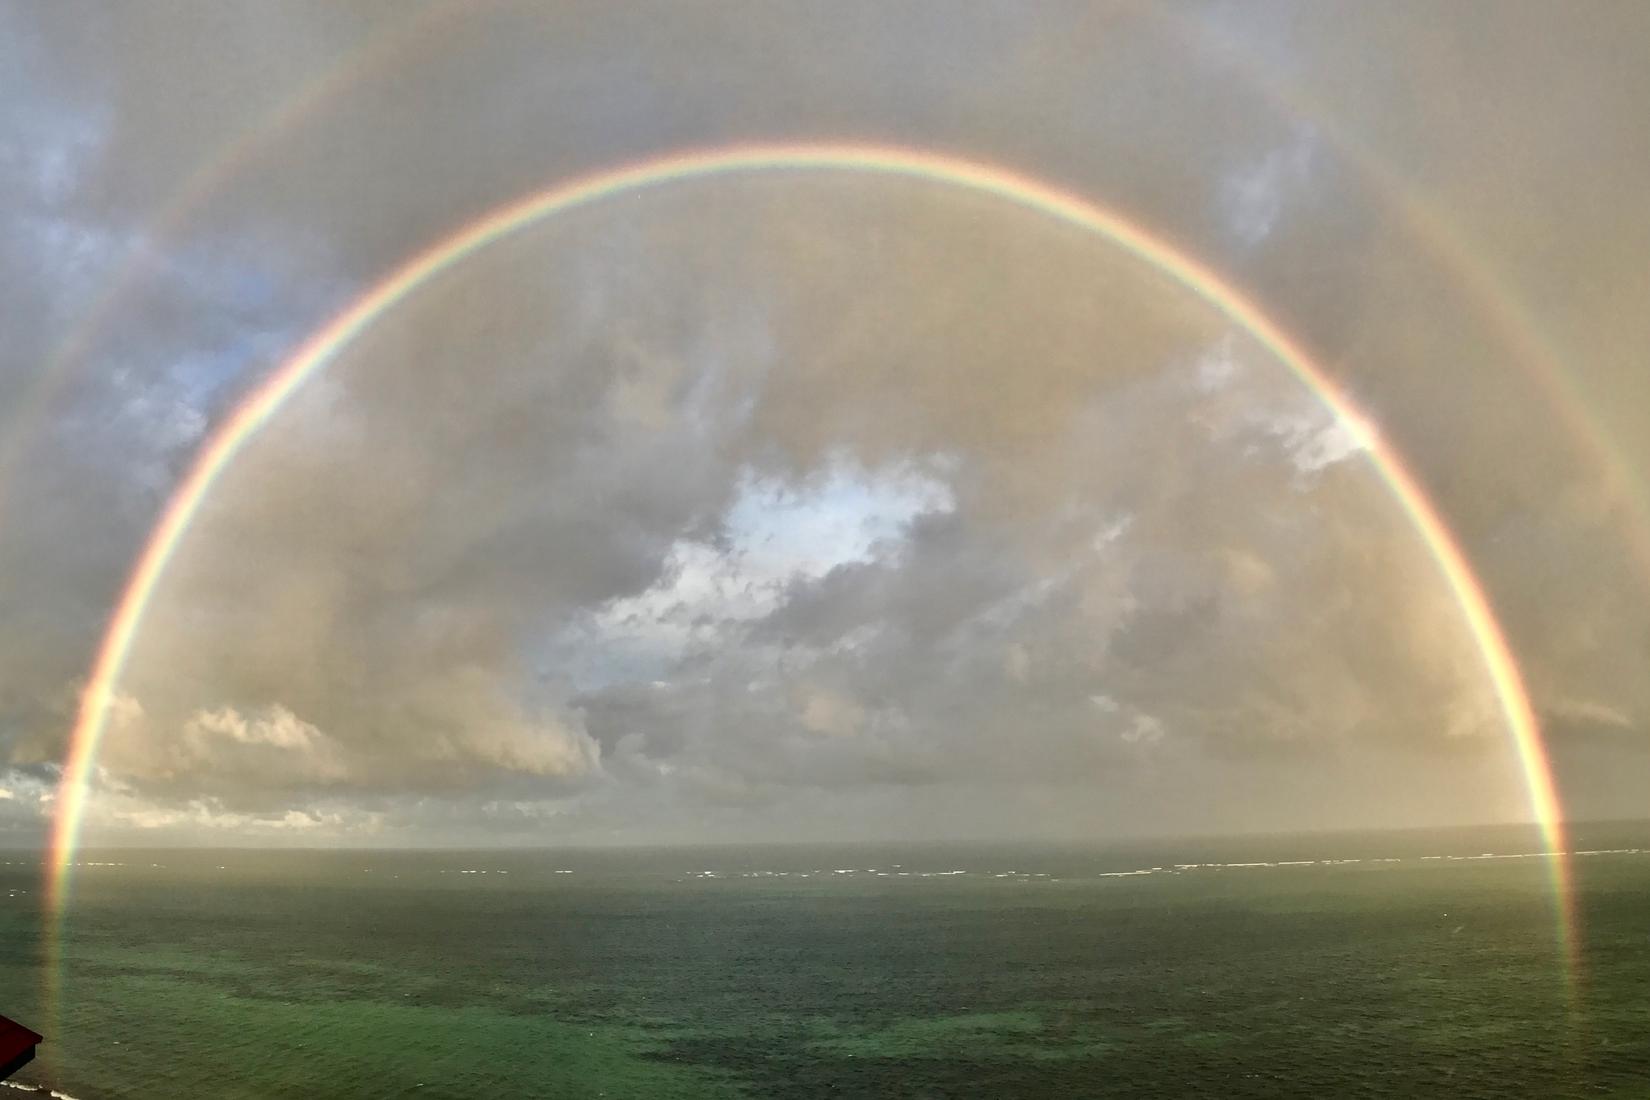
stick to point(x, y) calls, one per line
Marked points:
point(306, 974)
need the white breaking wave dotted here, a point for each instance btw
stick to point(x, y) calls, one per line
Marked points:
point(1170, 869)
point(40, 1089)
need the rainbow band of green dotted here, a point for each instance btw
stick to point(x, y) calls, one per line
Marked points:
point(258, 408)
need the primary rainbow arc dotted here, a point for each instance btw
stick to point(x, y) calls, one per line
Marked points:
point(1064, 206)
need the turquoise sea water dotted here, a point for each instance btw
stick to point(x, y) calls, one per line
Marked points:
point(866, 971)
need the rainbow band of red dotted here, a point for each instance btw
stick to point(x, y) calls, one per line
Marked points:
point(264, 402)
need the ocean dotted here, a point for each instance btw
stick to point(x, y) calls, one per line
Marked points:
point(1334, 965)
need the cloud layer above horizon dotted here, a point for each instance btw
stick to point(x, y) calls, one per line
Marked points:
point(801, 506)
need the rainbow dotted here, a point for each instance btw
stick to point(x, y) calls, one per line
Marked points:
point(1062, 206)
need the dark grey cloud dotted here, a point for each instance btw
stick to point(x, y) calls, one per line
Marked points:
point(807, 506)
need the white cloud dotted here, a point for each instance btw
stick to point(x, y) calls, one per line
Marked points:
point(276, 726)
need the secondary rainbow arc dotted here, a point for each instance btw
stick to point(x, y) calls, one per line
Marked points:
point(21, 424)
point(1486, 292)
point(324, 345)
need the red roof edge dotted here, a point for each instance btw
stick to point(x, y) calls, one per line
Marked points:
point(16, 1044)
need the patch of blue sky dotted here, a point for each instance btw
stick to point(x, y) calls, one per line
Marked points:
point(781, 529)
point(1254, 196)
point(774, 533)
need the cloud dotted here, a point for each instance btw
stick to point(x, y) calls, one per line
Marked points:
point(841, 572)
point(279, 728)
point(828, 713)
point(811, 504)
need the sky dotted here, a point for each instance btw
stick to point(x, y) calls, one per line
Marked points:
point(823, 505)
